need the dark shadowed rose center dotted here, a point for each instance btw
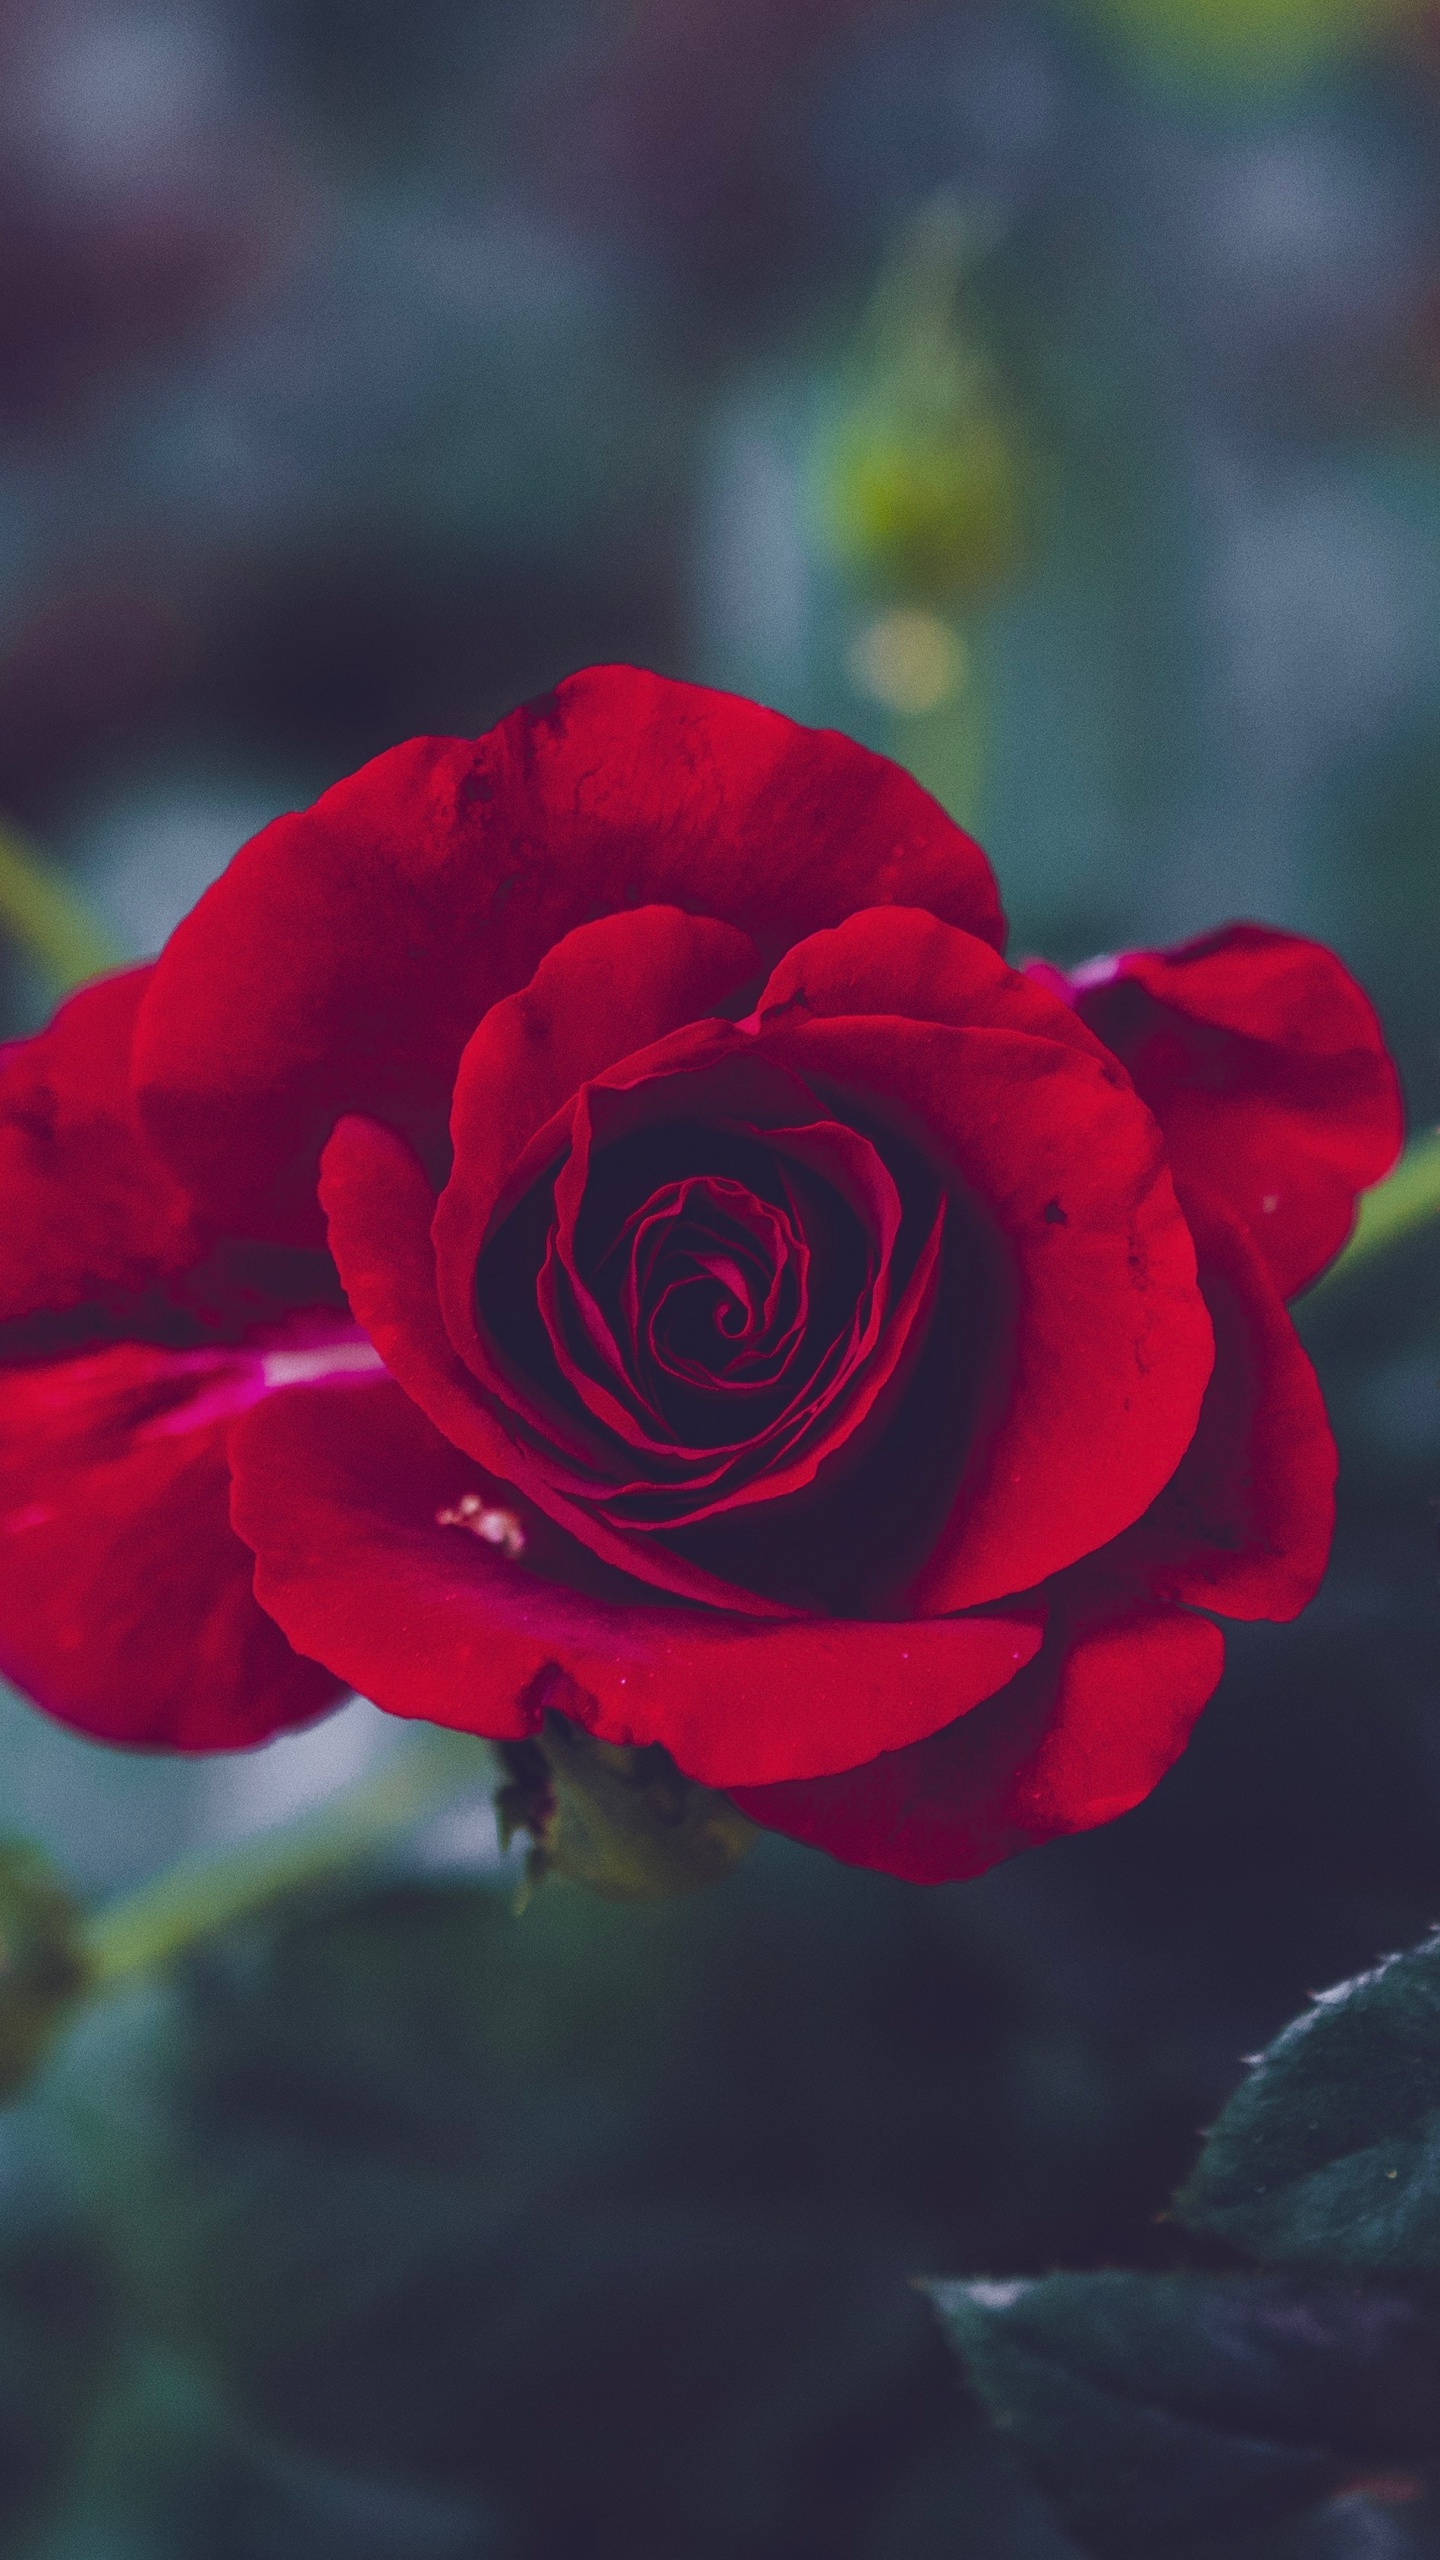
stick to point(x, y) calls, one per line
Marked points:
point(725, 1335)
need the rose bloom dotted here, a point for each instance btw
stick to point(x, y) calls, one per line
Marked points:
point(586, 1220)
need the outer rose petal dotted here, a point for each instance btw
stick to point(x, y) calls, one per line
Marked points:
point(126, 1605)
point(1266, 1066)
point(92, 1217)
point(100, 1239)
point(340, 1506)
point(346, 955)
point(901, 960)
point(1076, 1739)
point(1245, 1523)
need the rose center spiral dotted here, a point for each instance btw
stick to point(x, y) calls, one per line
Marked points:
point(695, 1315)
point(708, 1284)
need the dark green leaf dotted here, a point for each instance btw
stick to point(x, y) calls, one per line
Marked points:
point(55, 2326)
point(1328, 2157)
point(393, 2172)
point(168, 2472)
point(1181, 2413)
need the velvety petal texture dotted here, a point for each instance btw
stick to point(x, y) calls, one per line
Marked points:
point(1107, 1332)
point(1245, 1523)
point(343, 1502)
point(434, 881)
point(586, 1221)
point(126, 1604)
point(94, 1222)
point(102, 1241)
point(1078, 1738)
point(1267, 1069)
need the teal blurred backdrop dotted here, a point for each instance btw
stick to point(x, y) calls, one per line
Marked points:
point(1048, 395)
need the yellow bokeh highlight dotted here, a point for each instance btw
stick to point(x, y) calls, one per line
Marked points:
point(909, 660)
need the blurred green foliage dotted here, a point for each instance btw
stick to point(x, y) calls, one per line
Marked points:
point(55, 2332)
point(925, 479)
point(44, 1965)
point(360, 372)
point(542, 2230)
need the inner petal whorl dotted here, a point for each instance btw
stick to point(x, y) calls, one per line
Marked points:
point(698, 1310)
point(712, 1284)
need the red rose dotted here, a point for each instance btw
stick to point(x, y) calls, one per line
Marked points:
point(776, 1328)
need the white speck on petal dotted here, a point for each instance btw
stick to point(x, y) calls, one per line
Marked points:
point(485, 1521)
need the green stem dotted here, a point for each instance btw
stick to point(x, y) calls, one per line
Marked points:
point(49, 922)
point(1407, 1201)
point(204, 1892)
point(947, 749)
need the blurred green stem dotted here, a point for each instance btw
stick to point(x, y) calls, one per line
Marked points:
point(52, 926)
point(947, 748)
point(1406, 1201)
point(204, 1892)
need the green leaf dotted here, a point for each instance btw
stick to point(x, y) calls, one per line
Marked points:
point(401, 2179)
point(1328, 2157)
point(167, 2472)
point(1180, 2414)
point(55, 2327)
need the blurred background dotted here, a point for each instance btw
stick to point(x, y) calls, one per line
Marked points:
point(1048, 393)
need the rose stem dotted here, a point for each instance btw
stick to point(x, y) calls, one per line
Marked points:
point(205, 1891)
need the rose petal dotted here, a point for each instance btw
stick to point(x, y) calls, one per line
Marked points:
point(679, 1484)
point(709, 1285)
point(344, 958)
point(1266, 1066)
point(381, 1207)
point(901, 960)
point(1110, 1343)
point(702, 1260)
point(100, 1240)
point(1111, 1337)
point(341, 1507)
point(607, 990)
point(705, 1071)
point(1076, 1739)
point(126, 1605)
point(709, 1074)
point(1244, 1525)
point(847, 1165)
point(833, 1410)
point(92, 1218)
